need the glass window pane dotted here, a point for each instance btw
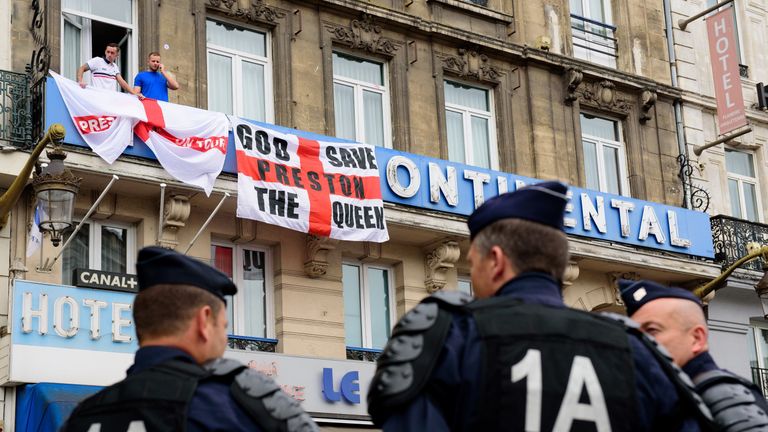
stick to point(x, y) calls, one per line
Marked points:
point(481, 144)
point(470, 97)
point(254, 293)
point(733, 194)
point(762, 340)
point(465, 286)
point(344, 111)
point(352, 312)
point(358, 69)
point(71, 59)
point(612, 174)
point(454, 124)
point(119, 10)
point(577, 8)
point(373, 107)
point(228, 36)
point(220, 83)
point(378, 291)
point(739, 163)
point(114, 249)
point(596, 10)
point(76, 254)
point(254, 105)
point(590, 165)
point(750, 201)
point(599, 127)
point(751, 347)
point(223, 262)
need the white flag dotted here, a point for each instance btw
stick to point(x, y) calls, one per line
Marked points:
point(35, 236)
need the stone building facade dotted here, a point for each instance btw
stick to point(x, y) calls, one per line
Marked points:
point(544, 90)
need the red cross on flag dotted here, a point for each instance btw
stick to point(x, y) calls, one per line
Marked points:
point(189, 143)
point(324, 188)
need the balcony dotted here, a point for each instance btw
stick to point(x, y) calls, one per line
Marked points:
point(730, 237)
point(247, 343)
point(15, 109)
point(593, 41)
point(363, 354)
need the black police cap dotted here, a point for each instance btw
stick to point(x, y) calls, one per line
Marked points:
point(157, 266)
point(636, 294)
point(542, 203)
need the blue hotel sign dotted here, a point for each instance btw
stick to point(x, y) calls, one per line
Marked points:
point(439, 185)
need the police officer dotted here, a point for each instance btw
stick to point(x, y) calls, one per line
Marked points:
point(675, 318)
point(179, 380)
point(517, 359)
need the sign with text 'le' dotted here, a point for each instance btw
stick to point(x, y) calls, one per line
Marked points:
point(725, 71)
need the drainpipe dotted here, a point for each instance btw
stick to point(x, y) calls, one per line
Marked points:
point(677, 104)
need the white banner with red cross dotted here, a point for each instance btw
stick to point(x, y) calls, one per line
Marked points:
point(324, 188)
point(189, 143)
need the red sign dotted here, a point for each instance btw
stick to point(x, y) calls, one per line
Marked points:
point(725, 71)
point(91, 124)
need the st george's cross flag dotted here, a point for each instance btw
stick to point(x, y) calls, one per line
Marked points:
point(189, 143)
point(325, 188)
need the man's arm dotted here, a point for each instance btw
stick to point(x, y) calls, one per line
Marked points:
point(125, 86)
point(172, 84)
point(80, 71)
point(137, 82)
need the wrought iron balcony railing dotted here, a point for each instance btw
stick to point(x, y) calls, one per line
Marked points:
point(760, 378)
point(15, 111)
point(730, 237)
point(247, 343)
point(594, 40)
point(363, 354)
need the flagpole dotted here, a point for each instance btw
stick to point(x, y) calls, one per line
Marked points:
point(47, 267)
point(216, 210)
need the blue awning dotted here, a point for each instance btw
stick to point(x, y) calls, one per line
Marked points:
point(44, 407)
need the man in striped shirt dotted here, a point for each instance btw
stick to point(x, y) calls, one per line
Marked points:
point(104, 71)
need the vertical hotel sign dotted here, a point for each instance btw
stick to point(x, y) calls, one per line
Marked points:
point(725, 71)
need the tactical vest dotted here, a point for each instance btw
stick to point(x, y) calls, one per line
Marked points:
point(554, 369)
point(737, 405)
point(157, 399)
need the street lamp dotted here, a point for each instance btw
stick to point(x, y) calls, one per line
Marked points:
point(761, 287)
point(55, 187)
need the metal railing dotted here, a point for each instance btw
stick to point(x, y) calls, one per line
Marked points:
point(363, 354)
point(594, 36)
point(248, 343)
point(730, 237)
point(15, 109)
point(760, 378)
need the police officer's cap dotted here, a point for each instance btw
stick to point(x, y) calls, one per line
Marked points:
point(636, 294)
point(542, 203)
point(160, 266)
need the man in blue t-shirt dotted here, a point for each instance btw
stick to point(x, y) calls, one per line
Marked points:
point(155, 81)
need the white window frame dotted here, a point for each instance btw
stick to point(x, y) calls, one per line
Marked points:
point(358, 88)
point(740, 180)
point(238, 306)
point(365, 303)
point(237, 58)
point(466, 118)
point(467, 279)
point(591, 55)
point(86, 41)
point(94, 244)
point(620, 146)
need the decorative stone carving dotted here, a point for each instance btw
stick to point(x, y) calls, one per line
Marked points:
point(364, 34)
point(316, 264)
point(648, 99)
point(258, 11)
point(470, 63)
point(573, 78)
point(245, 230)
point(175, 216)
point(601, 95)
point(439, 259)
point(17, 270)
point(613, 280)
point(571, 273)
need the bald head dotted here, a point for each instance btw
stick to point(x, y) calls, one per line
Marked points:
point(678, 324)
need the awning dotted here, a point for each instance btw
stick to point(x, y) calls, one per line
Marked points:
point(44, 407)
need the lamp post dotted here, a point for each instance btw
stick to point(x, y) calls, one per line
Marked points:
point(761, 287)
point(55, 187)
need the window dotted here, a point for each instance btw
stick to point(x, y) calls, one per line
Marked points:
point(250, 312)
point(742, 185)
point(470, 125)
point(105, 246)
point(361, 100)
point(465, 285)
point(758, 355)
point(239, 72)
point(368, 305)
point(89, 25)
point(592, 32)
point(605, 164)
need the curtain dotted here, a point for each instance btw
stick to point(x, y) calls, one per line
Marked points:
point(599, 127)
point(114, 249)
point(254, 104)
point(750, 201)
point(220, 83)
point(455, 132)
point(71, 45)
point(378, 292)
point(612, 178)
point(374, 118)
point(733, 194)
point(76, 254)
point(254, 294)
point(590, 165)
point(235, 38)
point(222, 261)
point(344, 111)
point(353, 319)
point(358, 69)
point(466, 96)
point(739, 163)
point(481, 144)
